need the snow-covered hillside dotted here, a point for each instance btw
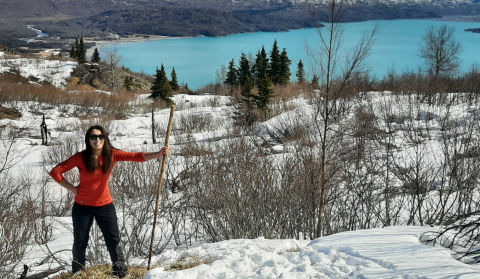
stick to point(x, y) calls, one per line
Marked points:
point(400, 176)
point(43, 70)
point(391, 252)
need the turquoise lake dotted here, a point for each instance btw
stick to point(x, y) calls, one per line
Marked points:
point(196, 59)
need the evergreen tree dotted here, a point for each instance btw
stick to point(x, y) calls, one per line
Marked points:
point(81, 52)
point(247, 95)
point(284, 77)
point(73, 53)
point(300, 73)
point(157, 84)
point(265, 92)
point(161, 86)
point(76, 49)
point(275, 66)
point(232, 74)
point(174, 81)
point(96, 56)
point(261, 64)
point(244, 71)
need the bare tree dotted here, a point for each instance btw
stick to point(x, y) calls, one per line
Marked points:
point(461, 237)
point(221, 74)
point(336, 71)
point(112, 59)
point(440, 50)
point(16, 216)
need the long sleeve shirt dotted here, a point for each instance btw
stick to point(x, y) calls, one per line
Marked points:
point(93, 188)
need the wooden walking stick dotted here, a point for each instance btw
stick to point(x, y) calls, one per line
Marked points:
point(170, 122)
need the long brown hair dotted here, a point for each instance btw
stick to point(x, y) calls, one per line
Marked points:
point(91, 162)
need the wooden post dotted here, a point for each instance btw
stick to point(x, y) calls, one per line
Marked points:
point(44, 131)
point(153, 128)
point(159, 190)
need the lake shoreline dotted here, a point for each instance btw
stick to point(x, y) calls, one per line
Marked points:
point(197, 59)
point(139, 38)
point(457, 18)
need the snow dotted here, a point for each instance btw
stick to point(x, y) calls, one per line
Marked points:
point(390, 252)
point(53, 71)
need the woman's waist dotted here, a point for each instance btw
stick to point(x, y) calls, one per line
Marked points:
point(93, 201)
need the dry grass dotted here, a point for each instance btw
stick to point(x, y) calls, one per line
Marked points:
point(104, 272)
point(187, 260)
point(74, 84)
point(61, 58)
point(292, 91)
point(9, 113)
point(293, 250)
point(86, 101)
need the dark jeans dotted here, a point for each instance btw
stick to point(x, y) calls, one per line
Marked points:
point(106, 219)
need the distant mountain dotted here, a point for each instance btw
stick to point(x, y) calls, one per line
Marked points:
point(175, 22)
point(18, 9)
point(89, 18)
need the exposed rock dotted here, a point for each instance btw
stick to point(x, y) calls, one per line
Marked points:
point(99, 76)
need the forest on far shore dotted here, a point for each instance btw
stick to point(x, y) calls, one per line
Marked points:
point(72, 19)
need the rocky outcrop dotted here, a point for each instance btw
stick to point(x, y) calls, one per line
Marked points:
point(100, 76)
point(89, 74)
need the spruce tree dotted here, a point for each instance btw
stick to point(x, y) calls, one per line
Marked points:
point(232, 74)
point(81, 52)
point(244, 71)
point(300, 73)
point(265, 92)
point(284, 75)
point(174, 81)
point(76, 49)
point(96, 56)
point(274, 68)
point(73, 53)
point(261, 64)
point(161, 86)
point(156, 85)
point(247, 95)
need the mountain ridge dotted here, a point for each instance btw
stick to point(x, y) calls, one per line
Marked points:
point(15, 9)
point(69, 19)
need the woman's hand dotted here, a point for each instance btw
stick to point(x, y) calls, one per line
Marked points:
point(74, 190)
point(165, 151)
point(67, 185)
point(153, 155)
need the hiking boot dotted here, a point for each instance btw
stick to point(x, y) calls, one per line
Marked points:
point(120, 270)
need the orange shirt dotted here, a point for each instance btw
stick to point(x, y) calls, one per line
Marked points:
point(93, 188)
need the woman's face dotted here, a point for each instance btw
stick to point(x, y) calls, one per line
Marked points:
point(97, 139)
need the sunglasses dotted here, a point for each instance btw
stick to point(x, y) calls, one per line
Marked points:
point(95, 137)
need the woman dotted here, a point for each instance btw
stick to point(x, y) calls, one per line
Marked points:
point(92, 195)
